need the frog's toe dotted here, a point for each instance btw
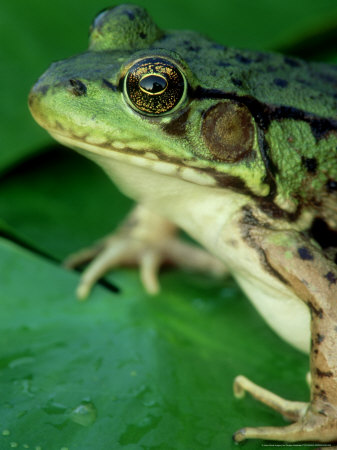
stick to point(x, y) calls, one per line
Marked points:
point(109, 257)
point(290, 409)
point(313, 427)
point(82, 256)
point(150, 262)
point(288, 433)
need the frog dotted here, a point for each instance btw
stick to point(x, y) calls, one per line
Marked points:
point(237, 148)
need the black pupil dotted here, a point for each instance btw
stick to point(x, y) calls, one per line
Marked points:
point(153, 84)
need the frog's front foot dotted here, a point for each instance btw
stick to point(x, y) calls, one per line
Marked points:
point(144, 239)
point(315, 421)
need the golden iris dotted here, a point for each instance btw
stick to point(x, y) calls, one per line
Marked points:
point(154, 85)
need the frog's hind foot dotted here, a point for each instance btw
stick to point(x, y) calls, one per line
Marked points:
point(311, 422)
point(144, 239)
point(289, 409)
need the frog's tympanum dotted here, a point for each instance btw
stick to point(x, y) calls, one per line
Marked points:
point(237, 148)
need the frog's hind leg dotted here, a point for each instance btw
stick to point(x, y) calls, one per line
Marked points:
point(313, 278)
point(289, 409)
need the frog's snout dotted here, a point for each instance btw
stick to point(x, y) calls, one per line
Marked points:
point(48, 94)
point(34, 104)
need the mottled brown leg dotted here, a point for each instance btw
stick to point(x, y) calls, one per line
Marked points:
point(313, 278)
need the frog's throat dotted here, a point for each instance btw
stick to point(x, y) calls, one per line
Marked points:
point(146, 158)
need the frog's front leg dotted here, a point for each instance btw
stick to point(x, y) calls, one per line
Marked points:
point(313, 278)
point(143, 239)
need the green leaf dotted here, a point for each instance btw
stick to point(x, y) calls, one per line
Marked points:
point(127, 371)
point(60, 202)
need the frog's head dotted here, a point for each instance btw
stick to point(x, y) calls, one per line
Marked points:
point(153, 98)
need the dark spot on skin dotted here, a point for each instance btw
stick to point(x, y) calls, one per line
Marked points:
point(270, 68)
point(142, 35)
point(228, 131)
point(243, 59)
point(40, 88)
point(320, 128)
point(323, 234)
point(249, 218)
point(322, 394)
point(130, 14)
point(109, 85)
point(304, 82)
point(193, 48)
point(324, 374)
point(236, 82)
point(233, 243)
point(177, 127)
point(322, 412)
point(318, 312)
point(331, 277)
point(58, 125)
point(223, 64)
point(291, 62)
point(280, 82)
point(319, 338)
point(327, 78)
point(310, 164)
point(77, 87)
point(316, 351)
point(259, 57)
point(219, 47)
point(305, 254)
point(331, 186)
point(236, 184)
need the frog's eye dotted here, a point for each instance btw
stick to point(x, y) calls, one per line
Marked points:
point(155, 86)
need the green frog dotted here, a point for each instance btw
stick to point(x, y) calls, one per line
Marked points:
point(237, 148)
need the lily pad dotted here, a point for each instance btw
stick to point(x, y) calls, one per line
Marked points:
point(127, 371)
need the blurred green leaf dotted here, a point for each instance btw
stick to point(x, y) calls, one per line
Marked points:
point(127, 371)
point(60, 202)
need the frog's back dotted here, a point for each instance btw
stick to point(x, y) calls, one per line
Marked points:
point(271, 78)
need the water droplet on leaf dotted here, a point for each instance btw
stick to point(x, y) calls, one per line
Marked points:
point(84, 414)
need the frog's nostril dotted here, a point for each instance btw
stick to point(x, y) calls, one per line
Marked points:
point(77, 87)
point(31, 98)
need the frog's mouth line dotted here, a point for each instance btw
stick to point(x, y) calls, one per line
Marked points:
point(142, 158)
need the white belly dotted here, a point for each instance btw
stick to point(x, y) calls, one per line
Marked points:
point(286, 314)
point(206, 213)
